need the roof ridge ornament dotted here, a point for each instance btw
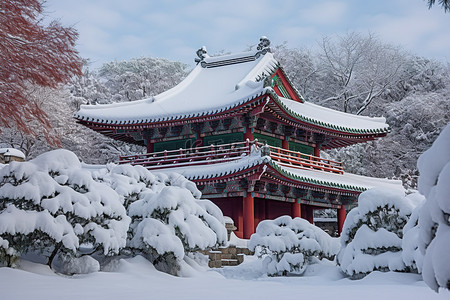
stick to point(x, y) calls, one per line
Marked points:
point(264, 44)
point(202, 54)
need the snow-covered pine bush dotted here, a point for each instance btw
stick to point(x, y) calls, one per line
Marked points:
point(372, 235)
point(412, 257)
point(288, 245)
point(52, 205)
point(434, 218)
point(168, 218)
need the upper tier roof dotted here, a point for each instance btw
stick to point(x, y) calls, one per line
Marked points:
point(206, 90)
point(223, 84)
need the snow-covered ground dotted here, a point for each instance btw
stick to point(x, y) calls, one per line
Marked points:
point(136, 278)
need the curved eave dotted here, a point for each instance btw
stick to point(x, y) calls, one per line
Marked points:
point(241, 107)
point(245, 172)
point(266, 168)
point(353, 135)
point(311, 183)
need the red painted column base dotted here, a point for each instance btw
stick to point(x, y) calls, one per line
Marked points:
point(249, 215)
point(341, 215)
point(248, 134)
point(317, 151)
point(285, 144)
point(150, 147)
point(296, 210)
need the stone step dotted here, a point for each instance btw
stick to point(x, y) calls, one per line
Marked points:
point(230, 262)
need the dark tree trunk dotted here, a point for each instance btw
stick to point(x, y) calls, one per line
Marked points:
point(53, 254)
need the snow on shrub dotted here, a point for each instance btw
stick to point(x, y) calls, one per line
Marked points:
point(168, 219)
point(372, 235)
point(55, 204)
point(288, 245)
point(50, 204)
point(411, 255)
point(434, 218)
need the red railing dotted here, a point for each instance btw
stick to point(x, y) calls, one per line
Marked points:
point(188, 157)
point(227, 152)
point(304, 161)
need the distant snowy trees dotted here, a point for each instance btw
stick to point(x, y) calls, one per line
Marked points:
point(288, 245)
point(55, 206)
point(31, 54)
point(359, 69)
point(154, 76)
point(140, 78)
point(65, 130)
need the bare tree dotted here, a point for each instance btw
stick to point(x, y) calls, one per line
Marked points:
point(358, 69)
point(301, 68)
point(31, 52)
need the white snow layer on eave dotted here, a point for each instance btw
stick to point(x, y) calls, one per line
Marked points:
point(334, 117)
point(345, 179)
point(203, 91)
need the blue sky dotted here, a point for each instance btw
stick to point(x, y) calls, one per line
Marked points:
point(123, 29)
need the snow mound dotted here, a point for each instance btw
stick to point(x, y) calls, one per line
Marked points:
point(288, 245)
point(51, 204)
point(372, 234)
point(168, 217)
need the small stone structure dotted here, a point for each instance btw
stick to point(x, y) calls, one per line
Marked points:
point(226, 256)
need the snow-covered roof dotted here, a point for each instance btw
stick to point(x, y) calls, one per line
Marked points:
point(346, 181)
point(12, 152)
point(219, 84)
point(333, 119)
point(209, 89)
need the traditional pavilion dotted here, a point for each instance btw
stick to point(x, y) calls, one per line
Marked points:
point(240, 130)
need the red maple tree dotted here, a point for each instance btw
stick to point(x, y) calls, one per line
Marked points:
point(31, 53)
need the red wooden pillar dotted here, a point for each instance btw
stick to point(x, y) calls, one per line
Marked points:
point(341, 215)
point(150, 147)
point(317, 151)
point(249, 215)
point(285, 144)
point(296, 210)
point(248, 134)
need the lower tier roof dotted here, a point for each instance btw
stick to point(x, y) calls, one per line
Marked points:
point(343, 183)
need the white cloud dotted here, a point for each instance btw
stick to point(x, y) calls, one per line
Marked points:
point(418, 30)
point(297, 35)
point(323, 13)
point(112, 29)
